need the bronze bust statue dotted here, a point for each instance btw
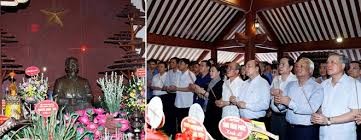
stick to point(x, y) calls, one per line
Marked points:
point(71, 90)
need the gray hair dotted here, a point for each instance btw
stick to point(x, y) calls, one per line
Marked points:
point(343, 59)
point(310, 63)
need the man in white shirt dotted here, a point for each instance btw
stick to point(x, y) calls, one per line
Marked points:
point(278, 120)
point(300, 99)
point(169, 111)
point(340, 104)
point(184, 95)
point(255, 98)
point(231, 87)
point(158, 81)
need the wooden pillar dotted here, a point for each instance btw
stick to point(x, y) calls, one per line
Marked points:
point(250, 50)
point(279, 54)
point(214, 54)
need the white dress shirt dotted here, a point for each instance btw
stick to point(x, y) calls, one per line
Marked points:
point(158, 81)
point(236, 87)
point(305, 101)
point(278, 83)
point(184, 99)
point(172, 78)
point(338, 100)
point(256, 95)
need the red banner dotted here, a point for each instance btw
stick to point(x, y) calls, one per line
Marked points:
point(197, 128)
point(46, 108)
point(233, 128)
point(140, 72)
point(3, 118)
point(32, 71)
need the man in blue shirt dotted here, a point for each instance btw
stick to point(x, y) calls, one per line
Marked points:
point(151, 71)
point(300, 100)
point(203, 79)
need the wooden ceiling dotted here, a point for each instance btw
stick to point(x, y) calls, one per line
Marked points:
point(290, 25)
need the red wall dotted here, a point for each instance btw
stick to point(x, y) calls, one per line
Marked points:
point(86, 22)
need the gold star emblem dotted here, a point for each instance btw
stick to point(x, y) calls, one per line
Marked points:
point(55, 17)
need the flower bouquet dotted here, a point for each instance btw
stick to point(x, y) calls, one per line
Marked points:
point(134, 99)
point(34, 89)
point(97, 124)
point(113, 91)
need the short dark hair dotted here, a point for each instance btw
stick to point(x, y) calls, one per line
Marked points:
point(357, 62)
point(207, 63)
point(152, 60)
point(185, 60)
point(176, 59)
point(193, 63)
point(290, 61)
point(164, 63)
point(67, 60)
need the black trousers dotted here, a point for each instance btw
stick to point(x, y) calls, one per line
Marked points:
point(302, 132)
point(169, 113)
point(279, 125)
point(180, 114)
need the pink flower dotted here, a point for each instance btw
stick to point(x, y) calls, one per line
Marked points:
point(80, 130)
point(97, 133)
point(67, 116)
point(102, 121)
point(86, 138)
point(92, 126)
point(95, 120)
point(80, 112)
point(84, 120)
point(124, 127)
point(98, 111)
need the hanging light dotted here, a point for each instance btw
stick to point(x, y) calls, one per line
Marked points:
point(339, 40)
point(256, 23)
point(44, 69)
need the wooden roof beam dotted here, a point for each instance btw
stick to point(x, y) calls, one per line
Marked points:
point(203, 55)
point(261, 5)
point(269, 31)
point(348, 43)
point(228, 43)
point(175, 41)
point(242, 50)
point(243, 5)
point(232, 25)
point(239, 56)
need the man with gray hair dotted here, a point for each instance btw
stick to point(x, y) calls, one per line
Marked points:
point(340, 104)
point(300, 100)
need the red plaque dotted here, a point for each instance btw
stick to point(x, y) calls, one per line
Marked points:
point(32, 71)
point(3, 118)
point(197, 129)
point(140, 72)
point(46, 108)
point(234, 128)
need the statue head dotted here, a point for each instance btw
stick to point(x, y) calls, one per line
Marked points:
point(71, 66)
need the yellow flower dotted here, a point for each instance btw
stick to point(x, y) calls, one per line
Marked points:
point(132, 94)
